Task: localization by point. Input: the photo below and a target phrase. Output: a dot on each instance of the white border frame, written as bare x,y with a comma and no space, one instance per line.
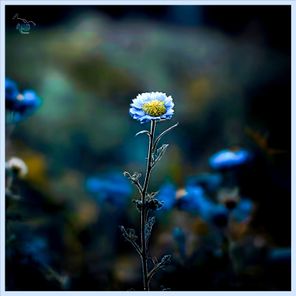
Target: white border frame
3,3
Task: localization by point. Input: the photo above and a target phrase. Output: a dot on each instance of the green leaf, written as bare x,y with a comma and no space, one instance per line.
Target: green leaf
142,132
162,134
159,153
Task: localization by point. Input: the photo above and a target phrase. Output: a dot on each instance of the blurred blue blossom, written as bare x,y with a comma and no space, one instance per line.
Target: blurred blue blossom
113,188
19,105
229,158
196,202
152,106
167,195
37,250
207,181
11,92
243,210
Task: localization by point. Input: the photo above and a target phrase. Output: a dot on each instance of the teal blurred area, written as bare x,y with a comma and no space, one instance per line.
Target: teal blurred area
231,88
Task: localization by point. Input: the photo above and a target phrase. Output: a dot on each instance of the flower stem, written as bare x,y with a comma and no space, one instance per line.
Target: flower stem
144,209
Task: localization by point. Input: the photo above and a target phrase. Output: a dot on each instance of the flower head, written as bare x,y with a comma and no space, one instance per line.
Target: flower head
152,106
229,158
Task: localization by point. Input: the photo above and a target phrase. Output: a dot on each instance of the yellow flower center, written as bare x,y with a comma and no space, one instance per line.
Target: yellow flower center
154,108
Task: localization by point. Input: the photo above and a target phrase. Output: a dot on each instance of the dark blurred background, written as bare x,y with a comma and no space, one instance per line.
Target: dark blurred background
228,69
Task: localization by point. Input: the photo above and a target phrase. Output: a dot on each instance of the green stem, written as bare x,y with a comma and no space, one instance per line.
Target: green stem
144,209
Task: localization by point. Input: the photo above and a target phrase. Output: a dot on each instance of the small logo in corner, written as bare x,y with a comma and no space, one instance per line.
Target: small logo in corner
23,26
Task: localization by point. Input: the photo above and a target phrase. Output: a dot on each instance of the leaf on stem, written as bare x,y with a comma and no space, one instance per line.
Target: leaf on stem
142,132
162,134
134,178
159,153
165,260
130,235
148,229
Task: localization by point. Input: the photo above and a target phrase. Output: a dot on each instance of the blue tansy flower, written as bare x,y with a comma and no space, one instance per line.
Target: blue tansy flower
152,106
112,188
229,158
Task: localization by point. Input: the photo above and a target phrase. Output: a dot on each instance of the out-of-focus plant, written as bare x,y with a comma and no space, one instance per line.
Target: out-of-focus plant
32,249
103,189
19,105
228,158
151,107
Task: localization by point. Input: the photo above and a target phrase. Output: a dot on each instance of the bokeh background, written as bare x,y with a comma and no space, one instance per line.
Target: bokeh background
228,70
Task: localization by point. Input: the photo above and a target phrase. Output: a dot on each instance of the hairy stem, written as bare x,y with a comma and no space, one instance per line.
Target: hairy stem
144,210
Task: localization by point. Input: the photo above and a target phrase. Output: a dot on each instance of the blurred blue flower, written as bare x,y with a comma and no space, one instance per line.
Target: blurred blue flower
152,106
11,92
19,105
196,202
112,188
167,195
207,181
243,210
37,250
229,158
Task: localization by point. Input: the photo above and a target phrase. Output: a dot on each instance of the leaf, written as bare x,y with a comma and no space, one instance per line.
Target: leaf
148,228
142,132
134,178
151,195
166,259
162,134
130,235
159,153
